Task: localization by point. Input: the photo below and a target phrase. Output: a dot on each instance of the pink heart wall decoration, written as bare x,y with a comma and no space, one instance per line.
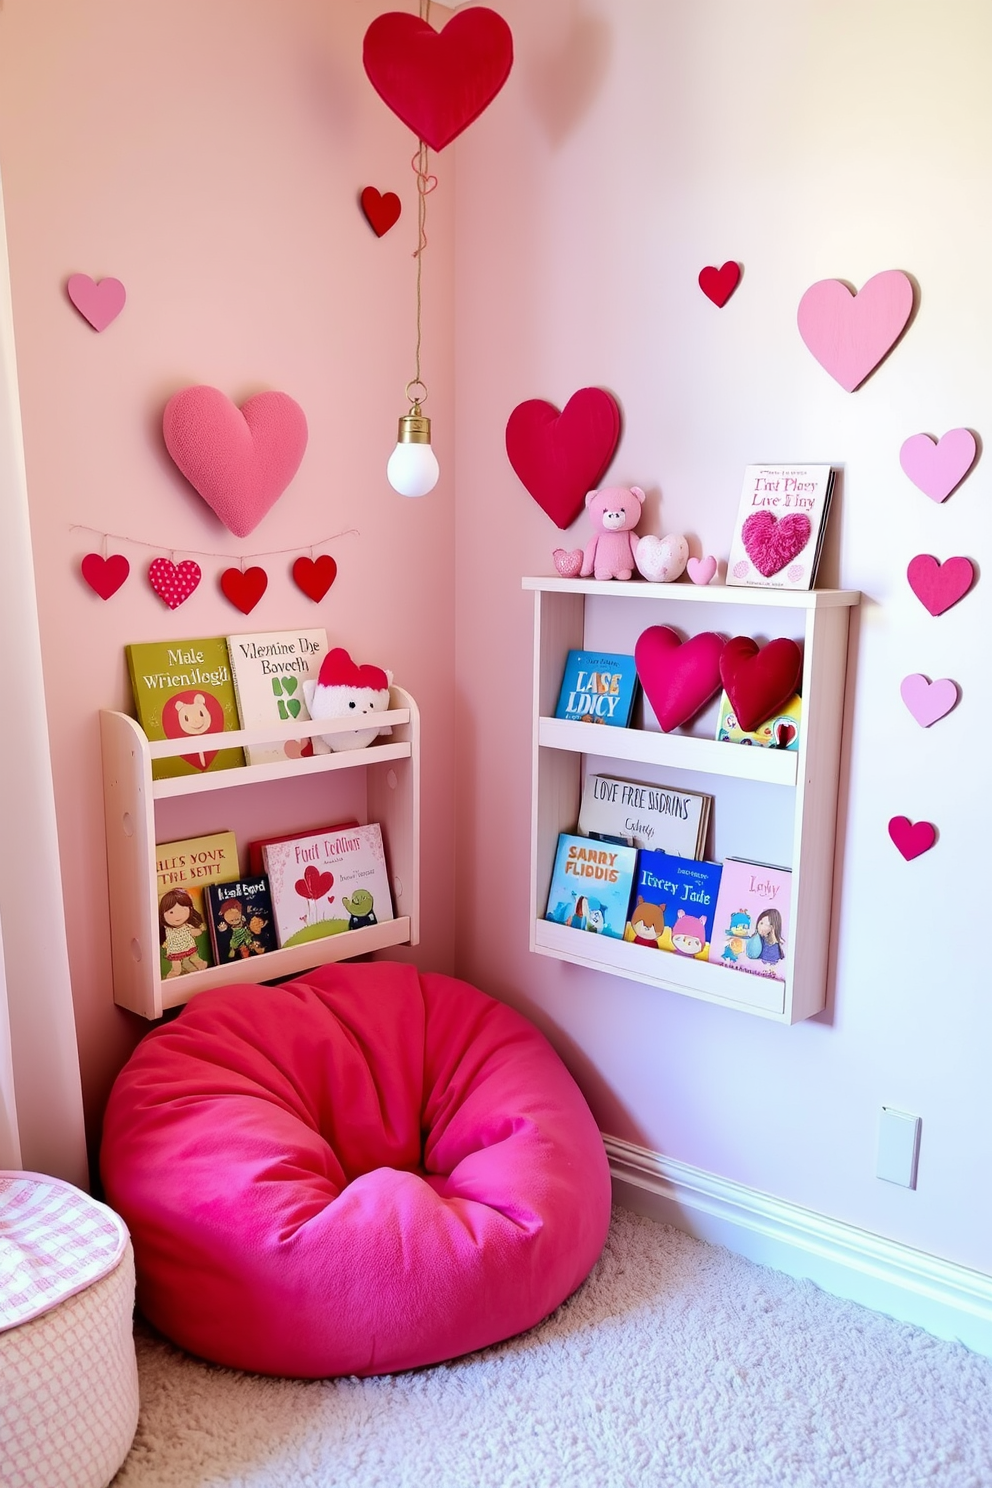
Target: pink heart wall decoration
438,82
849,333
912,838
928,701
759,681
98,303
105,575
678,677
561,457
772,542
937,466
240,460
939,585
719,284
173,582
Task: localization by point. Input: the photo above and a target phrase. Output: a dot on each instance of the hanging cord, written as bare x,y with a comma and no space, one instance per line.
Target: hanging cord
425,185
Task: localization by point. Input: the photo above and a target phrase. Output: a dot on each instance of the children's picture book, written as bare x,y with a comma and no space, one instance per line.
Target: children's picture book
253,852
183,870
269,669
655,816
183,689
591,885
780,525
598,687
239,918
752,918
327,882
778,732
673,906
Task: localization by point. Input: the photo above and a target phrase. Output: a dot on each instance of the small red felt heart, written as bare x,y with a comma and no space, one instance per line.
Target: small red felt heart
772,542
244,590
912,838
678,677
561,457
315,575
719,284
105,575
438,82
381,210
939,585
173,582
759,682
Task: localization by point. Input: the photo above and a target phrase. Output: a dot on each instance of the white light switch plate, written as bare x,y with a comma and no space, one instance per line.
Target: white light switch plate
898,1147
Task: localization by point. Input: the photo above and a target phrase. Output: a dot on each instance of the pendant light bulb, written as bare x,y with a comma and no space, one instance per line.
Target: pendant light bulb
413,469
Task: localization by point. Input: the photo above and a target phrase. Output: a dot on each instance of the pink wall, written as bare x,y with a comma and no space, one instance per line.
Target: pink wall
210,156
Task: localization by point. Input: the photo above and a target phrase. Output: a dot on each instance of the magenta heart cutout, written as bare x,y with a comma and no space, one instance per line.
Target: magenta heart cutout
561,457
98,303
678,677
912,838
849,333
105,575
240,460
772,542
928,701
939,585
937,466
173,582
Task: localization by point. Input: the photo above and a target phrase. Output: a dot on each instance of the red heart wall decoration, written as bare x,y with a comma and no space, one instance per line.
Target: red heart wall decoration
561,457
759,681
315,575
105,575
912,838
173,582
678,677
939,585
244,590
719,284
438,82
380,210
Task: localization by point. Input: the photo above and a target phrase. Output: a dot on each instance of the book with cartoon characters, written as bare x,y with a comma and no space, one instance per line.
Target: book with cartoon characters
673,906
269,670
183,870
598,687
780,524
781,731
184,689
591,885
751,933
239,918
327,882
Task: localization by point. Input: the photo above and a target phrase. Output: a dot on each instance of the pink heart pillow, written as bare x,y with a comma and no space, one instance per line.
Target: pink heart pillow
759,681
240,460
678,678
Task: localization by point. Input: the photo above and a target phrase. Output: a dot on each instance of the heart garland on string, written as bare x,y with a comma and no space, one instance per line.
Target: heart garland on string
315,575
381,211
759,681
679,677
105,575
173,582
244,590
561,457
98,303
437,83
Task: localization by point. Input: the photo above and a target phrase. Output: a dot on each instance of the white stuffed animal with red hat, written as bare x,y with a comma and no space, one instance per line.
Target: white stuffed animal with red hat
345,690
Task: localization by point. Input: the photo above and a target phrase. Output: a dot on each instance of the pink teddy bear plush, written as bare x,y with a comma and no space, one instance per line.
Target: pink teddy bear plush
615,512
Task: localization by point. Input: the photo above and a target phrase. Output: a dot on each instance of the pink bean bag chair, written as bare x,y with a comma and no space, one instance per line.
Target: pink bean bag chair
360,1171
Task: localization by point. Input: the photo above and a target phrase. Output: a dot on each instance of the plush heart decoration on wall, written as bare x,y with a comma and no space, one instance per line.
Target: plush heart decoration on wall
240,460
244,590
438,82
850,332
381,211
939,585
561,457
937,466
105,575
759,681
912,838
719,284
173,582
98,303
315,575
772,542
678,677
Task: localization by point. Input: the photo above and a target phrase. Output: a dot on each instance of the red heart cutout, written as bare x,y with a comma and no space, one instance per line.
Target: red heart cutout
561,457
314,884
173,582
438,82
315,575
759,682
912,838
244,590
784,735
105,575
381,211
678,677
772,542
719,284
939,585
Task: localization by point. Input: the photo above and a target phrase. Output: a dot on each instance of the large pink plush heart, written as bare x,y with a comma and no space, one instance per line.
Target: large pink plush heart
678,677
759,681
912,838
438,82
240,460
937,466
849,333
939,585
98,303
561,457
772,542
928,701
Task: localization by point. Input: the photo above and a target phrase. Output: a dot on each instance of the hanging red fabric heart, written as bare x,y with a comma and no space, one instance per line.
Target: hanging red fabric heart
244,590
438,82
173,582
105,575
315,575
560,457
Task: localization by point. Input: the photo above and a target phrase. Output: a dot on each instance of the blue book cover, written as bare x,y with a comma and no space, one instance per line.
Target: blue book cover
673,905
591,884
598,687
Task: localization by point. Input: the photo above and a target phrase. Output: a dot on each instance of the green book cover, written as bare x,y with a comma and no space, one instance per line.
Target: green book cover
183,689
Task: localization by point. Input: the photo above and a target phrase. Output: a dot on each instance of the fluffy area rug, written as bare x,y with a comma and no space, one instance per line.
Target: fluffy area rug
676,1365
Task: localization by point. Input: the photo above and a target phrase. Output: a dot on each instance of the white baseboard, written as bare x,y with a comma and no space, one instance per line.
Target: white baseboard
947,1300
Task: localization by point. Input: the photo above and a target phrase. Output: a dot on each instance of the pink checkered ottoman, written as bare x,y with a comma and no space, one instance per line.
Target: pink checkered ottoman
68,1376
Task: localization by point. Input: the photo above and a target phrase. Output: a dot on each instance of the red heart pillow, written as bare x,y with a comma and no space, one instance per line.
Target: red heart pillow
561,457
759,681
678,677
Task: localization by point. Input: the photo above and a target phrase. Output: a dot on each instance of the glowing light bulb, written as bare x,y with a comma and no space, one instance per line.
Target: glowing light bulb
413,469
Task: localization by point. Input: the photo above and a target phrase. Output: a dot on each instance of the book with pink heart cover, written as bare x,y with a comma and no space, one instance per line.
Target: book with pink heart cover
780,524
327,883
269,669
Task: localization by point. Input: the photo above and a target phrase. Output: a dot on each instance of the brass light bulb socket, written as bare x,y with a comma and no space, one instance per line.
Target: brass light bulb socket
414,428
